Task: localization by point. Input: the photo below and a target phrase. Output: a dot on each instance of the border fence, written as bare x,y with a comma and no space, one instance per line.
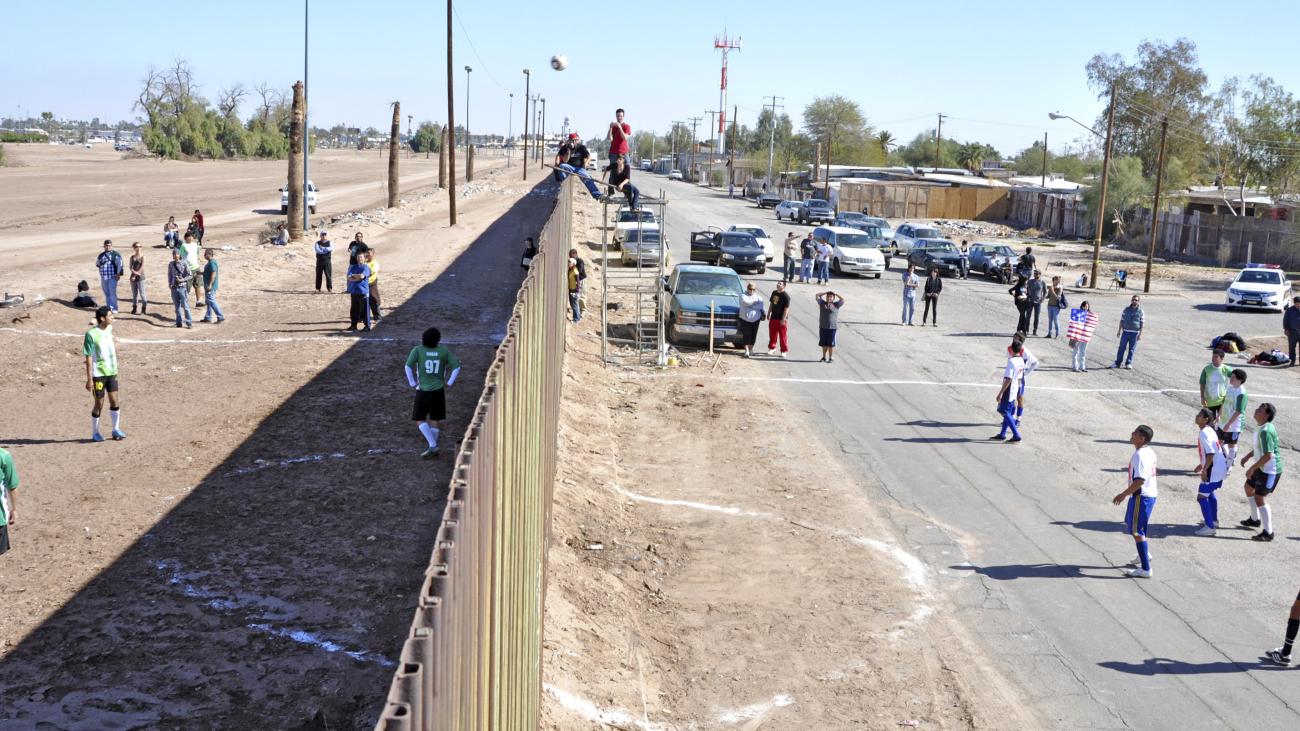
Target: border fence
473,657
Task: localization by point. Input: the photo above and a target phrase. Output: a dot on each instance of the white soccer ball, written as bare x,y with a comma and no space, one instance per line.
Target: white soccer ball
559,62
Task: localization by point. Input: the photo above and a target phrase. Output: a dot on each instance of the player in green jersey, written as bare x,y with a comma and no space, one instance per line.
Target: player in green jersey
430,368
101,372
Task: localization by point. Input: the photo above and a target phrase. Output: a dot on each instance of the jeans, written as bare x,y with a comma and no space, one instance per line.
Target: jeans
965,266
791,267
324,270
1080,358
181,301
930,303
1127,339
909,305
777,332
575,305
171,238
805,269
563,170
1025,309
1035,309
1292,344
109,285
137,294
374,300
1053,324
360,312
214,310
633,195
823,270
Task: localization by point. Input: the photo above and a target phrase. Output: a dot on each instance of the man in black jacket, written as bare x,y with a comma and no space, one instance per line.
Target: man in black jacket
1291,325
572,158
933,286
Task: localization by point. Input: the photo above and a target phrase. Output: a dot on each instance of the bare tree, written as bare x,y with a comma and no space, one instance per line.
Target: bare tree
271,98
296,202
228,100
394,142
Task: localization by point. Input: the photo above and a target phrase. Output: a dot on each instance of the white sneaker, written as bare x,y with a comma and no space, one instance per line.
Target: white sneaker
1128,367
1138,574
771,351
783,356
1136,562
1206,530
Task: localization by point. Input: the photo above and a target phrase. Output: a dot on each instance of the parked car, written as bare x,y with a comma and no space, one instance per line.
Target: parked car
991,259
886,228
905,235
940,253
728,249
628,220
816,210
645,247
1259,287
646,165
311,198
852,251
852,220
675,175
122,147
788,209
757,232
696,294
768,200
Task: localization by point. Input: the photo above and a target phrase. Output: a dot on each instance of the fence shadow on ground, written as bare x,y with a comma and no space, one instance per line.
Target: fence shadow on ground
278,592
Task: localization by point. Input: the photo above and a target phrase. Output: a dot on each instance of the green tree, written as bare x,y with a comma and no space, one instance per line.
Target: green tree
1030,160
972,155
427,138
1124,189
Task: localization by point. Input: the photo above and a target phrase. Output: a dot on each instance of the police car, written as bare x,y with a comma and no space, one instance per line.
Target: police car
1259,286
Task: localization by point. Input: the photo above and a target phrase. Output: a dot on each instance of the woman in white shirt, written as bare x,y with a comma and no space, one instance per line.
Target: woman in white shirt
751,312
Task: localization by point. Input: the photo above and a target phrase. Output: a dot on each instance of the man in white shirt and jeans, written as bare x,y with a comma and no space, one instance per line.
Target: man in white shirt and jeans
1141,494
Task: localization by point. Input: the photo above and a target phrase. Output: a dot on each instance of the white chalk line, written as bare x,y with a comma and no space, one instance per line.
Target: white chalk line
969,384
725,510
591,712
264,464
757,710
260,607
271,340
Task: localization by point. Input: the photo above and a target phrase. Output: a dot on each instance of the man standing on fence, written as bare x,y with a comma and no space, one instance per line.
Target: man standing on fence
430,369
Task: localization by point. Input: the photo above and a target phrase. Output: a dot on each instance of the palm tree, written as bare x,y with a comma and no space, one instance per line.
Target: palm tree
971,156
885,139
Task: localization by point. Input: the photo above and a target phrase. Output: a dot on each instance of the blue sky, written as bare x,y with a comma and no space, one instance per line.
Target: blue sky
995,68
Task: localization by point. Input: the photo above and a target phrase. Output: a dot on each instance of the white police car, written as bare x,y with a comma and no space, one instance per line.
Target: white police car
1259,287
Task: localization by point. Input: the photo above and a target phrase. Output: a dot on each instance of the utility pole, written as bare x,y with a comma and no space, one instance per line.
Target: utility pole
394,145
731,164
1044,184
713,146
541,158
690,168
306,124
528,80
469,144
1105,178
1155,209
451,122
510,127
771,142
938,144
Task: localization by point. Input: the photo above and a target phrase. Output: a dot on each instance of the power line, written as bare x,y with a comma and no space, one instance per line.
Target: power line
482,64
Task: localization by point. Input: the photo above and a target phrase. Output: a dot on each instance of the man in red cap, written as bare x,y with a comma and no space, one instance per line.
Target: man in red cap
572,158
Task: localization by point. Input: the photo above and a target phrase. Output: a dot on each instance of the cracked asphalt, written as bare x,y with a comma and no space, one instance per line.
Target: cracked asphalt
1025,545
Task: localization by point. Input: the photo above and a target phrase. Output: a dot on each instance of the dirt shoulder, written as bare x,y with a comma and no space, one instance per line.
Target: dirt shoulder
714,567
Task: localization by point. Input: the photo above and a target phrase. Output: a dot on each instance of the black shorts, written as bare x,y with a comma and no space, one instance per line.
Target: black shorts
430,405
105,384
1228,437
1262,482
4,538
826,337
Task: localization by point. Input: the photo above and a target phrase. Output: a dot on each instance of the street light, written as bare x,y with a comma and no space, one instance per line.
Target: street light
467,73
510,127
1105,179
528,78
1055,116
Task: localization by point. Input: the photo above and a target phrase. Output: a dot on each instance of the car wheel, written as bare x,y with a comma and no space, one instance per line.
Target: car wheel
835,266
311,208
284,209
762,270
877,276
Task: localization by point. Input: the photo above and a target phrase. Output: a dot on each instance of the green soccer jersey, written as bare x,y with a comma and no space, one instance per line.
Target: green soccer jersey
1215,382
1266,443
432,365
98,345
8,483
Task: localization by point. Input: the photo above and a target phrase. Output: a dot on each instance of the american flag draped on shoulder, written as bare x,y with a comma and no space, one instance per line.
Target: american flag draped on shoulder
1082,323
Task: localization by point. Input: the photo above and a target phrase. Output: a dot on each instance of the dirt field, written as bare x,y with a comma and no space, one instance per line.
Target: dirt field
757,590
248,556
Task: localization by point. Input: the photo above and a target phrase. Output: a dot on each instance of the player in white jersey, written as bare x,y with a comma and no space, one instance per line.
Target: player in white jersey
1232,412
1212,468
1141,494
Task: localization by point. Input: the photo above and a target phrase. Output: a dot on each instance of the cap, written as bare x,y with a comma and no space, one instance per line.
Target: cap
573,135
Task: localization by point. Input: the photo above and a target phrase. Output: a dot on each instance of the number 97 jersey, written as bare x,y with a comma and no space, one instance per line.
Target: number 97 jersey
431,366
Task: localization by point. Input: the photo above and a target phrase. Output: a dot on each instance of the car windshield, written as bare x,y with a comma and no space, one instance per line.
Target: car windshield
940,246
737,240
646,237
817,203
631,216
1257,277
853,241
701,283
877,222
926,233
752,231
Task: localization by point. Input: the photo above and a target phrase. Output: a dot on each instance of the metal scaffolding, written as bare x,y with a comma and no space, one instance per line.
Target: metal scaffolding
632,294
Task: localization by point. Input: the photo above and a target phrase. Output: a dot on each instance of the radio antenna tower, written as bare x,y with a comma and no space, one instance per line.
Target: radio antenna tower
726,45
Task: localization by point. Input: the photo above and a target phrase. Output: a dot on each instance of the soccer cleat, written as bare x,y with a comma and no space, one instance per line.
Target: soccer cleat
1250,523
1206,530
1277,658
118,435
1138,573
1128,366
1013,440
429,453
1262,537
1137,562
96,437
998,437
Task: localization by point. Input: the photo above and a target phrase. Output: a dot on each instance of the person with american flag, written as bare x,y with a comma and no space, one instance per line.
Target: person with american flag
1083,321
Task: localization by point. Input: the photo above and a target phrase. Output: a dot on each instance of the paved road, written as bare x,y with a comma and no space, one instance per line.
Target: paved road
1022,539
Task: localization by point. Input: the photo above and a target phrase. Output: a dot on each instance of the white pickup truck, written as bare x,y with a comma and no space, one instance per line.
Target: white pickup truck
311,198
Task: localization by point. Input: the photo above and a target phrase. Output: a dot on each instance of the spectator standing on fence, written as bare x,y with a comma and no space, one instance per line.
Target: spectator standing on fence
751,313
324,268
933,288
1291,327
373,263
359,292
778,319
1055,301
136,263
910,283
1035,292
791,256
178,283
1131,322
618,135
211,281
109,264
828,321
8,497
430,369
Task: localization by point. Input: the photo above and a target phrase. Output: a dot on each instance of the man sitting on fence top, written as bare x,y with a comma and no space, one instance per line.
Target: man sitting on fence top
572,158
620,177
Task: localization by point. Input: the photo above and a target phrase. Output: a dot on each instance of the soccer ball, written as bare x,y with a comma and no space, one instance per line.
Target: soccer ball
559,62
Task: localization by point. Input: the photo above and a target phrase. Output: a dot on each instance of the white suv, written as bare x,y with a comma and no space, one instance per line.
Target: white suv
910,233
852,251
311,198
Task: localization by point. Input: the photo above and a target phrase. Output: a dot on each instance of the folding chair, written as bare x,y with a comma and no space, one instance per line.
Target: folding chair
1120,280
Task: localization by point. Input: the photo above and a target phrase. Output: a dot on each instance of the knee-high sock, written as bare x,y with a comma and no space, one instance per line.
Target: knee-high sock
1266,518
427,430
1144,553
1254,509
1292,625
1213,500
94,425
116,415
1203,500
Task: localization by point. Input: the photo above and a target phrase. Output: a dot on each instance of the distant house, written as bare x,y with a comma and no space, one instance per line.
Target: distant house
1227,201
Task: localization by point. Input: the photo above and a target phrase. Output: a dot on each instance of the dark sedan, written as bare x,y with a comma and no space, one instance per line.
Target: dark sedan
728,249
768,200
940,253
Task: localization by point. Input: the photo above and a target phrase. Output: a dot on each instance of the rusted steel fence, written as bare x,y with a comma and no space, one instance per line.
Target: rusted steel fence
473,658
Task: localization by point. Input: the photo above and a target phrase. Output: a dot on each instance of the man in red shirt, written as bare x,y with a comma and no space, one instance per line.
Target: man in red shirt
618,136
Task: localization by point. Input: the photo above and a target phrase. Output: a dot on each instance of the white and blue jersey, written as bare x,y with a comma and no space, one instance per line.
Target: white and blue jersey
1214,463
1142,465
